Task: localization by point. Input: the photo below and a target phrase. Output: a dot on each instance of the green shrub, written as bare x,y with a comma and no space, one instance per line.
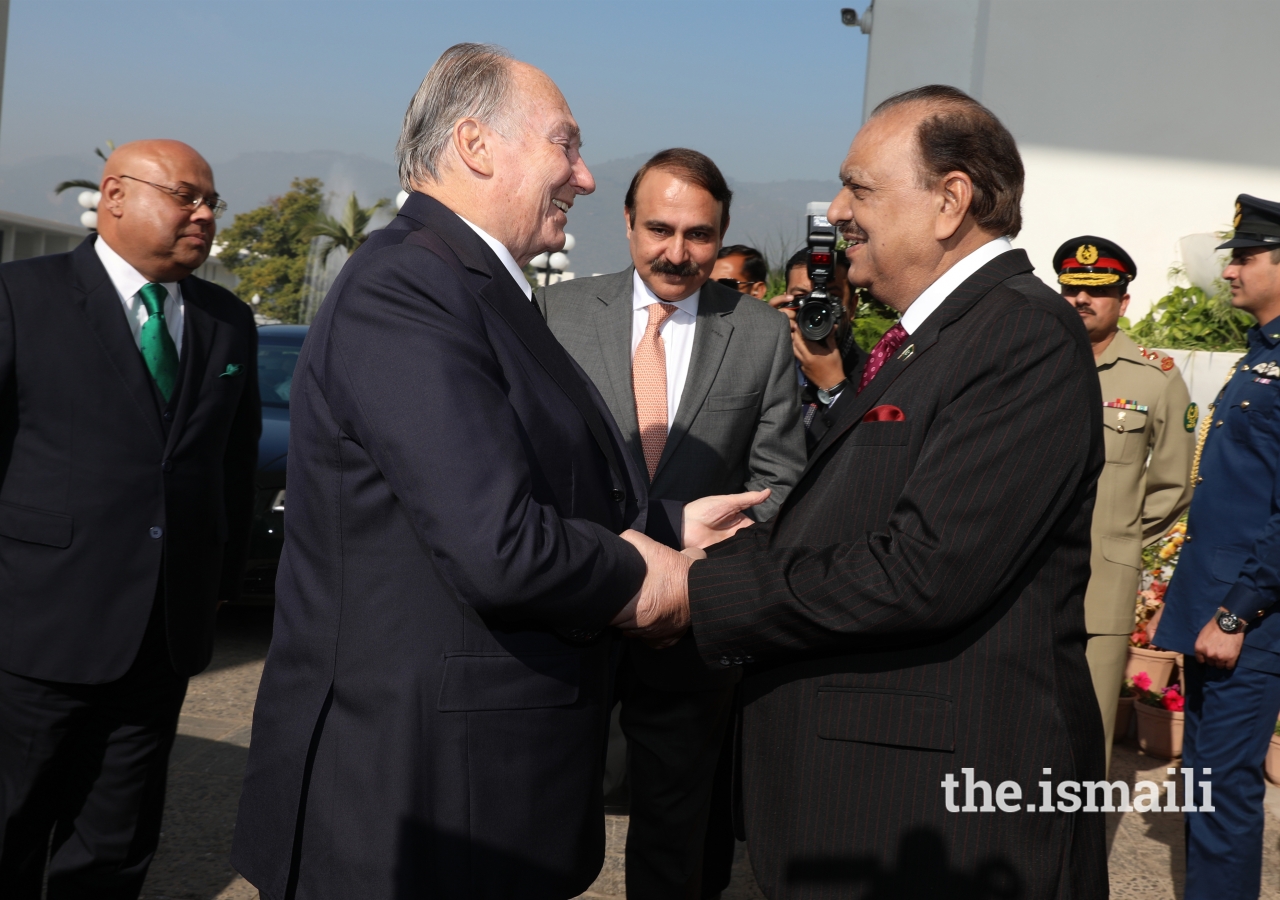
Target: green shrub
1188,319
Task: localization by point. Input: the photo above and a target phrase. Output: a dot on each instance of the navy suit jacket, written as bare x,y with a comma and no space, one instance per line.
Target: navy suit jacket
432,712
108,496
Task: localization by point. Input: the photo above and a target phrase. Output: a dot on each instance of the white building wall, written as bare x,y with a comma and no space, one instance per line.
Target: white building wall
1139,120
1145,203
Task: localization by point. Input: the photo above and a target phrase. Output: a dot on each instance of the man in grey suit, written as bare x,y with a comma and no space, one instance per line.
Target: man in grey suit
701,382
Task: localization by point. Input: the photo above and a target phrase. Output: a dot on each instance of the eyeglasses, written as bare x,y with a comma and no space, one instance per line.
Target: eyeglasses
186,199
735,284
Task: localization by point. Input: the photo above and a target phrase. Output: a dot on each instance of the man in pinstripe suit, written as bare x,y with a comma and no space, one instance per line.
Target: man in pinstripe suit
912,617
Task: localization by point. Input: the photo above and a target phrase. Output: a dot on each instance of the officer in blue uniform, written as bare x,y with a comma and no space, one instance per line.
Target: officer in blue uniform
1221,608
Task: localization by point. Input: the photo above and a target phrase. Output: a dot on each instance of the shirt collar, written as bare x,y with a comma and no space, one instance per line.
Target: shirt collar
504,256
949,280
127,280
1266,333
641,296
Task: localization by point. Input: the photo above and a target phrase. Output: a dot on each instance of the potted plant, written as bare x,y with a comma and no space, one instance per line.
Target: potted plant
1272,766
1158,563
1160,721
1129,692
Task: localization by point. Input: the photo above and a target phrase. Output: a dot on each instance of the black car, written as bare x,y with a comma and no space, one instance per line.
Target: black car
278,348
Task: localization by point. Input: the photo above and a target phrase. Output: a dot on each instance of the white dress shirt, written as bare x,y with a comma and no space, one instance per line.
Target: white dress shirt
676,333
505,256
128,281
949,280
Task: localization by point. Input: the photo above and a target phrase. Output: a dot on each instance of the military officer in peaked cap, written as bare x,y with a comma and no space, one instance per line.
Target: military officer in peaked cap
1220,609
1149,421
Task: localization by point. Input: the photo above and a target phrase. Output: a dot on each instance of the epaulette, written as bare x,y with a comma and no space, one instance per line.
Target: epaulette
1157,359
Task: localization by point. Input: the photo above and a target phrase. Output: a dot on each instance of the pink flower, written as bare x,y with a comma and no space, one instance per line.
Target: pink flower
1142,681
1172,699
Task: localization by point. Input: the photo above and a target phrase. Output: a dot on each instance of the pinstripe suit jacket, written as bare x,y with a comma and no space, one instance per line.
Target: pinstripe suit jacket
916,608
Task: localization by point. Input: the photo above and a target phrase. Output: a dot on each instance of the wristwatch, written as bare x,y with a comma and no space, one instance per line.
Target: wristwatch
1229,622
826,397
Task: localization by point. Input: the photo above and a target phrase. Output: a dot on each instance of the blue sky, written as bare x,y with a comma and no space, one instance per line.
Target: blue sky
771,90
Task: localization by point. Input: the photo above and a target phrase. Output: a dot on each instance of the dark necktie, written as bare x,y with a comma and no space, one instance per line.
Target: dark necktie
158,350
888,345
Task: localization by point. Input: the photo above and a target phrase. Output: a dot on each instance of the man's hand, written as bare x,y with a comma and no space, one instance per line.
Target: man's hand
1217,648
819,360
709,520
659,614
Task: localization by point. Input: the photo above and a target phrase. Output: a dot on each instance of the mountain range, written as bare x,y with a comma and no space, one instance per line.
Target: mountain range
766,215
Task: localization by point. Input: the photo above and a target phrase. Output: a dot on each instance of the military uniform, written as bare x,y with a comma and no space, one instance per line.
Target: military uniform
1232,560
1149,424
1144,487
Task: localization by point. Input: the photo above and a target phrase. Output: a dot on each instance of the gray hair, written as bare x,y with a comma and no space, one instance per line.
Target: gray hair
467,81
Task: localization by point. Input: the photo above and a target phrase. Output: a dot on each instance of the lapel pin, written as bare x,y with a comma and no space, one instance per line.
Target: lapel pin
906,354
232,370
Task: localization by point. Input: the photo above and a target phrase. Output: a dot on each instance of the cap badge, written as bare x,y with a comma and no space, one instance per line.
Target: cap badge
1235,223
1086,254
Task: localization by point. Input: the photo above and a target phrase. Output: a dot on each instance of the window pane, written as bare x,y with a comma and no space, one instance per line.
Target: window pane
275,372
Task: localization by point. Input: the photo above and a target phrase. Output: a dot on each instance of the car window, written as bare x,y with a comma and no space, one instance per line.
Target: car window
275,371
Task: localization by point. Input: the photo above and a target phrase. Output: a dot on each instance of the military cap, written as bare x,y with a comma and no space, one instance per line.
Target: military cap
1257,224
1088,260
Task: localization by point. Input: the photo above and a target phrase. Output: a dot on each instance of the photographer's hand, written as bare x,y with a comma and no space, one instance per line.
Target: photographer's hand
819,361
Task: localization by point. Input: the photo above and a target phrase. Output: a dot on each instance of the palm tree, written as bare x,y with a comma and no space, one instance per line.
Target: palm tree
83,182
347,232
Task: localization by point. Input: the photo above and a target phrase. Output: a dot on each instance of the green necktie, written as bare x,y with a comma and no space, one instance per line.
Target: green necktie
157,346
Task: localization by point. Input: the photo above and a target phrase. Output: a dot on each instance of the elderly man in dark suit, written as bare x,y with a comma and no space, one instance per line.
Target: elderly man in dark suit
431,719
725,417
913,616
129,425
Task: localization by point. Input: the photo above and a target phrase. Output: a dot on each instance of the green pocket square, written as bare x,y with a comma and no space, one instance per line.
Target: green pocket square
232,371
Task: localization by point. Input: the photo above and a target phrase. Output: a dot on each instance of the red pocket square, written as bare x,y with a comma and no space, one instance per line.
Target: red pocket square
884,414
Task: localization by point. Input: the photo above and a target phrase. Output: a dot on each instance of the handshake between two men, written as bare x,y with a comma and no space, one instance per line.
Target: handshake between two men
659,613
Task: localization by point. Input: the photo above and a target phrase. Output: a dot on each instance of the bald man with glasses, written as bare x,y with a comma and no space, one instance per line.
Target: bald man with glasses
129,424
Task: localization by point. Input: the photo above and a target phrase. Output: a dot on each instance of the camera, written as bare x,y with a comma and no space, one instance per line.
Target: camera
818,312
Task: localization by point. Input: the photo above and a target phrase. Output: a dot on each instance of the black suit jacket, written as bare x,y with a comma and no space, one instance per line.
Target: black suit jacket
916,608
101,496
432,713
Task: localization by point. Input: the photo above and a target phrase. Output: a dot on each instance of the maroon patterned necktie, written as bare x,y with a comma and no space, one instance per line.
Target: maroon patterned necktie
888,345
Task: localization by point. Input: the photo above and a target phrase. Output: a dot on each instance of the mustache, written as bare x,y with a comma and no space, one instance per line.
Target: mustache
851,232
663,266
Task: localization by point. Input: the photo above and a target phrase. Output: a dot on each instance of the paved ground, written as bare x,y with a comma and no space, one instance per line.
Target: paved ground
213,736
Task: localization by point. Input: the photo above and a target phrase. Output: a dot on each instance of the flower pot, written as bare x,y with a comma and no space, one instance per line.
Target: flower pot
1124,714
1156,663
1272,766
1159,731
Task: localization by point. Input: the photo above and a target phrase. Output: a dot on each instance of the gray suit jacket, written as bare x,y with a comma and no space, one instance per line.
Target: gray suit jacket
738,423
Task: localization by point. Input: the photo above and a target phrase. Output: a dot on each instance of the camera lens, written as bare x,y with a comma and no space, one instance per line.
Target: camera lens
817,319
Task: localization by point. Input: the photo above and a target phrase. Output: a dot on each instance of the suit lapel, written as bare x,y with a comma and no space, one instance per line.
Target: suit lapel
710,340
853,411
509,302
100,303
960,301
613,329
198,330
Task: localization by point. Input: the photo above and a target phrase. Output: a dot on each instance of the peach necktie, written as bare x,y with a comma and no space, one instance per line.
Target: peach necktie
649,382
